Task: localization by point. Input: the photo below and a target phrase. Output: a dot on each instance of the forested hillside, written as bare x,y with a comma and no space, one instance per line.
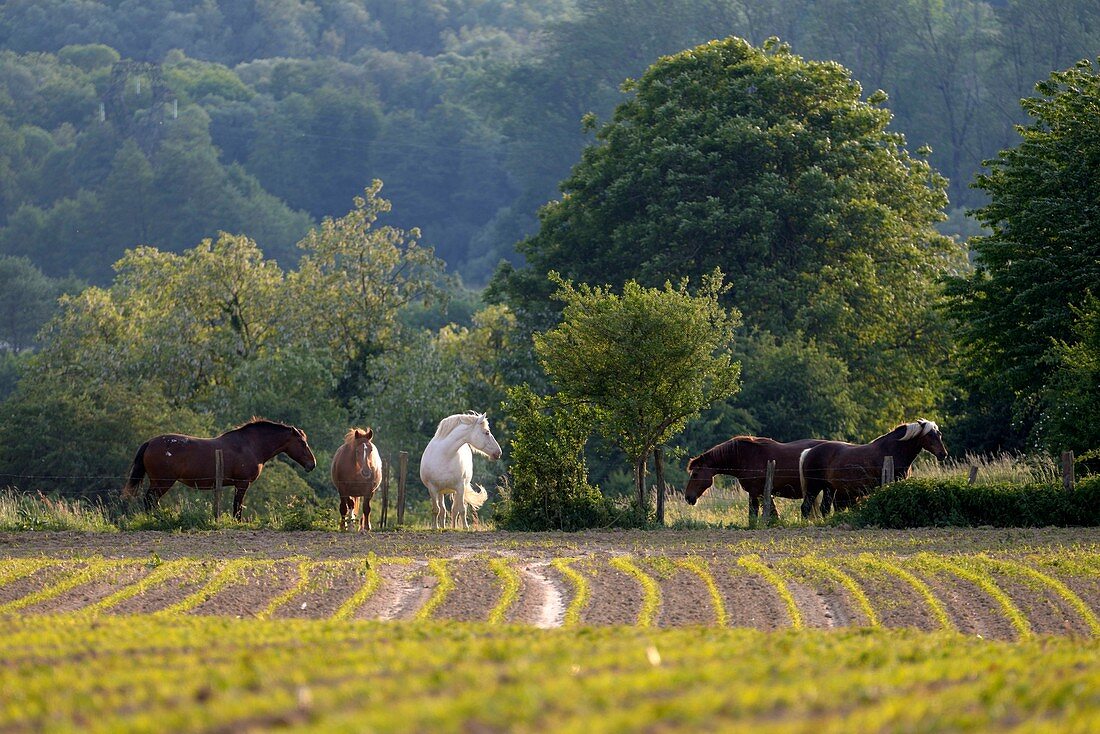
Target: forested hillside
161,123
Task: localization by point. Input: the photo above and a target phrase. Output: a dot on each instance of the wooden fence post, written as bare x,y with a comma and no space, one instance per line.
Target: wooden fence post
973,475
385,492
402,470
1067,471
219,476
887,470
659,470
769,477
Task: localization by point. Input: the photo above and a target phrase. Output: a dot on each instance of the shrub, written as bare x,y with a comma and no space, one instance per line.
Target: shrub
930,502
548,487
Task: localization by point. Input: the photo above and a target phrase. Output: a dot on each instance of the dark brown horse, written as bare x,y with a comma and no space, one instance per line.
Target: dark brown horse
188,460
845,472
746,458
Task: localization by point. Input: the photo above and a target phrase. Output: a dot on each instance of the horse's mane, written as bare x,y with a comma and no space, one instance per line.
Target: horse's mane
721,451
349,437
917,428
451,422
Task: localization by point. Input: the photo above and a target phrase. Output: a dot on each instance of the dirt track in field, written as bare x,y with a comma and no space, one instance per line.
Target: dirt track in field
700,576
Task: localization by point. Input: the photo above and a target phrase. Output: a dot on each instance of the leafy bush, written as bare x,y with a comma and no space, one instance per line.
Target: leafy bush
548,487
928,502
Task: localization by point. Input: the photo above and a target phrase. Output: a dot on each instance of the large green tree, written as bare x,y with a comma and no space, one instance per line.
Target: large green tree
776,170
644,361
1036,268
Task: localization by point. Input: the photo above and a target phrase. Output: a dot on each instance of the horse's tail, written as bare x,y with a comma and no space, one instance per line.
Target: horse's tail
802,482
137,473
476,496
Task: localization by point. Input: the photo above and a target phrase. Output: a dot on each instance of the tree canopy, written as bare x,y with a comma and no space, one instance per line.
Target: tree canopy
774,169
643,362
1037,268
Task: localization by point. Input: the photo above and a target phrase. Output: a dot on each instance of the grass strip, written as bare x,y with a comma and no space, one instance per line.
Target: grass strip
755,564
935,606
818,565
93,568
967,570
160,574
651,591
303,579
439,567
581,593
509,588
227,574
1038,579
701,568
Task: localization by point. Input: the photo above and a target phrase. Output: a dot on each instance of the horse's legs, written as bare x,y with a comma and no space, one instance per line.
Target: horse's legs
808,496
364,516
157,489
458,505
754,507
827,496
238,500
346,506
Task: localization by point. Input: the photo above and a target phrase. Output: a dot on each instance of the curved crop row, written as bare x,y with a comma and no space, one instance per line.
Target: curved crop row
370,585
651,592
439,567
701,568
756,565
93,568
303,579
1037,579
227,574
935,606
980,578
580,590
14,569
830,570
509,588
160,574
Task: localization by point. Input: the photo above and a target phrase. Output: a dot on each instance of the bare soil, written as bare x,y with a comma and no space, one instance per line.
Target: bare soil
338,562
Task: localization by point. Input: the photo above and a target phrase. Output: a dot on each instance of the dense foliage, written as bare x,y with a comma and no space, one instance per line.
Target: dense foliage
548,487
917,503
643,362
1038,271
126,123
774,169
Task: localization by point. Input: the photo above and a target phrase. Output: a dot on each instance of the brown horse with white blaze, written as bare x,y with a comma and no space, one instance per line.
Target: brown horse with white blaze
844,471
191,461
357,473
746,458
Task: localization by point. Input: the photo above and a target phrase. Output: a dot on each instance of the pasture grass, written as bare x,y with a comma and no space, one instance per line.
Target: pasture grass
21,511
221,674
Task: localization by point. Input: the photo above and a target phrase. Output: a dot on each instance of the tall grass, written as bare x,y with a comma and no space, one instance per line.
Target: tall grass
992,469
20,511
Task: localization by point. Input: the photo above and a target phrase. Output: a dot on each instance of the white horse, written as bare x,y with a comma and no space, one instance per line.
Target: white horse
448,465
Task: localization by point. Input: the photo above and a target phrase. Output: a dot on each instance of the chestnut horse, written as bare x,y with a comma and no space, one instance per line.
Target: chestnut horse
357,473
188,460
845,471
746,458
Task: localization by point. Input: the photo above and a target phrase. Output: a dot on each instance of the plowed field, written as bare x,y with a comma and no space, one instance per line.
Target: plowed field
784,630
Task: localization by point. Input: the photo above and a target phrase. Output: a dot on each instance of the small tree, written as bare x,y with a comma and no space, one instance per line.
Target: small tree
645,361
549,489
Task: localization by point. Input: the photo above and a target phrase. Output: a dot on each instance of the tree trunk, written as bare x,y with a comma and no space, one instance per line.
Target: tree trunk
639,480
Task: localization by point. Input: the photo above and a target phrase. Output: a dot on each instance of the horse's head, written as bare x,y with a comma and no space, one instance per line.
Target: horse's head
932,441
297,448
366,455
700,480
481,438
928,437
